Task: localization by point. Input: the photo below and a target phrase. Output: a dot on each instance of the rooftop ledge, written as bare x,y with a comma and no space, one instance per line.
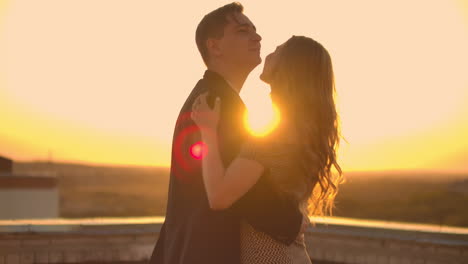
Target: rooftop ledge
447,235
131,240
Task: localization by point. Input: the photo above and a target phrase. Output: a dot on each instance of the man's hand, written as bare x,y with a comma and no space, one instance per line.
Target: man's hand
205,117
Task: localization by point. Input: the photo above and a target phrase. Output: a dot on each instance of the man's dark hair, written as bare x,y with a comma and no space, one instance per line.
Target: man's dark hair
212,26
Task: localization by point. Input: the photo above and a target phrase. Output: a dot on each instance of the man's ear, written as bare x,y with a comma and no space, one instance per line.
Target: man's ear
213,46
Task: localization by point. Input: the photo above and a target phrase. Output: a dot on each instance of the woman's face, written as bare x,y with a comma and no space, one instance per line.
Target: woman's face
271,61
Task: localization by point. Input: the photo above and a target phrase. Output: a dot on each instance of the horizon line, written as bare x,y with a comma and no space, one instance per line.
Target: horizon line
129,165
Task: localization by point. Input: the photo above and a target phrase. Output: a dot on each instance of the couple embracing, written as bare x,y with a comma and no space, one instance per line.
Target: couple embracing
235,198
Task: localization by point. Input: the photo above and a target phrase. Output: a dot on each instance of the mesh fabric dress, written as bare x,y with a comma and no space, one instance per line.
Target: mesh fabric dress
280,159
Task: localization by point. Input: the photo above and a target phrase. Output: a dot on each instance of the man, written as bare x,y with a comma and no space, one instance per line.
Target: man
193,232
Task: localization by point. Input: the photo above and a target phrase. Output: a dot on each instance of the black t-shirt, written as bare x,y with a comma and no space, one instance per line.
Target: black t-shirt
192,231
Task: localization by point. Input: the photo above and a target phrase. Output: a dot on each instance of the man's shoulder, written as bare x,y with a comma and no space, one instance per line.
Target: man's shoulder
200,87
184,114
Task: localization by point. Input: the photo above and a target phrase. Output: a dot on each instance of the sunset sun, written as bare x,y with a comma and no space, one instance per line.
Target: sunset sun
262,119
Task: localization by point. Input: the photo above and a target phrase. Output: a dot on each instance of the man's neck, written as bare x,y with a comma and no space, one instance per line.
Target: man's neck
235,79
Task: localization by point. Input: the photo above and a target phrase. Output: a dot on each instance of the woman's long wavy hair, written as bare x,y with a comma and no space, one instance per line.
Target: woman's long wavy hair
303,87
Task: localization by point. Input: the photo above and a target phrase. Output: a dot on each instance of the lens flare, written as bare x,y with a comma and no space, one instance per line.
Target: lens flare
198,150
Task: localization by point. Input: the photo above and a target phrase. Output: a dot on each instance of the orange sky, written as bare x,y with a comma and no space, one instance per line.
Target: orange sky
102,81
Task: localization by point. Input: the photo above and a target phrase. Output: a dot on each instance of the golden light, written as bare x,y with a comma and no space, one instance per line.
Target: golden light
263,119
69,90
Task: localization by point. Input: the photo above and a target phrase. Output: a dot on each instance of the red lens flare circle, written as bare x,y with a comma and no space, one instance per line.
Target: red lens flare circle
198,150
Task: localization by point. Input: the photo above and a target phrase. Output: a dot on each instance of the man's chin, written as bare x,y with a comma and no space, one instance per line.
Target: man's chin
265,78
254,63
258,61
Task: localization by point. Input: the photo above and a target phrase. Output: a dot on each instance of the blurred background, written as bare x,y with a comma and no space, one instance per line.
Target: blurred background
90,91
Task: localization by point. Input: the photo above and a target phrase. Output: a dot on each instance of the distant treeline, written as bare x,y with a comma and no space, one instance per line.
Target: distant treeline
422,197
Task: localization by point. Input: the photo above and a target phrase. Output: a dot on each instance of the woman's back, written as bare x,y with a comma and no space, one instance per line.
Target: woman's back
281,159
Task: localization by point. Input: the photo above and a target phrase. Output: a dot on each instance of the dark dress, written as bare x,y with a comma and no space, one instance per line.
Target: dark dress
281,159
192,231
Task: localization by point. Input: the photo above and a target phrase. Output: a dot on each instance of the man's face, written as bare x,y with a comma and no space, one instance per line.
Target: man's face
240,45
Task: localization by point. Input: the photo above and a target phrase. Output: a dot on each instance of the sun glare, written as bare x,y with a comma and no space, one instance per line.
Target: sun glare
263,119
71,93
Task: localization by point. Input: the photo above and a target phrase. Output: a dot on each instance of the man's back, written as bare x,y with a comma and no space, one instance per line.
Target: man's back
192,231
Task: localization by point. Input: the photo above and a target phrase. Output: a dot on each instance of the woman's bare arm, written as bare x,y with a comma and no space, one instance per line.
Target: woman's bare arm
224,186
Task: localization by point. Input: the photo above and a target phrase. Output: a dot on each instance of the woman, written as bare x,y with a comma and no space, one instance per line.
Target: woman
299,154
